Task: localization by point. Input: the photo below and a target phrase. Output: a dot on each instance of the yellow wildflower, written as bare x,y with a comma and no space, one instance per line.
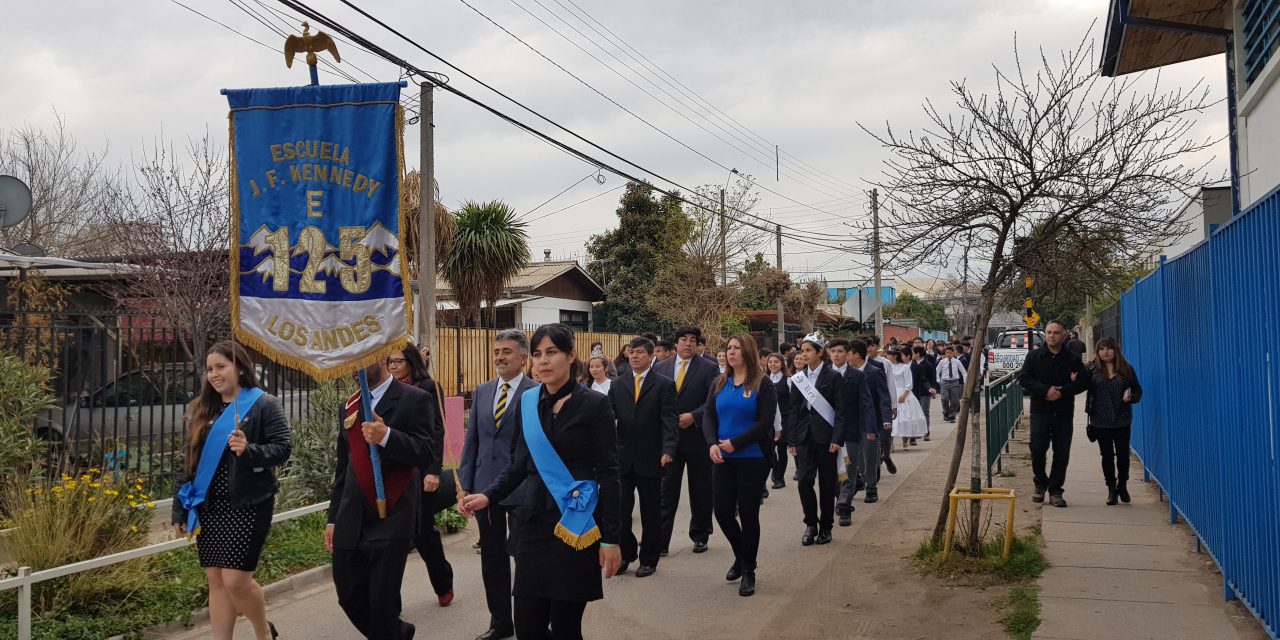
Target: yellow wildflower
133,528
151,505
133,504
91,498
144,496
130,496
86,477
71,485
65,477
95,470
95,485
57,489
111,492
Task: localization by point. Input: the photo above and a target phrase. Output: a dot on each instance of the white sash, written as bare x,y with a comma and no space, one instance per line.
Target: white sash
819,403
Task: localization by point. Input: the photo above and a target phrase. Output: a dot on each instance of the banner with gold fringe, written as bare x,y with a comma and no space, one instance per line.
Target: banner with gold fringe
318,282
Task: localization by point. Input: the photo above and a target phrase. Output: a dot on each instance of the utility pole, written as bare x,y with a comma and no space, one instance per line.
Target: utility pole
875,259
782,317
724,257
427,222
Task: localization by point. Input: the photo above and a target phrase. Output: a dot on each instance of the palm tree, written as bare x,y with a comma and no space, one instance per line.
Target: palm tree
489,248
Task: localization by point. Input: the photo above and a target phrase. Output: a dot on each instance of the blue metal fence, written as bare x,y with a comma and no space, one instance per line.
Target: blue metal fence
1202,331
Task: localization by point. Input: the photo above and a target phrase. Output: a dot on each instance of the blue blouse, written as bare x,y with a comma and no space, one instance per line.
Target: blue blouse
736,415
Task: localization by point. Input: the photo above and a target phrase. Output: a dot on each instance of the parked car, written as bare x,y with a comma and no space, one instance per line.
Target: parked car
1010,351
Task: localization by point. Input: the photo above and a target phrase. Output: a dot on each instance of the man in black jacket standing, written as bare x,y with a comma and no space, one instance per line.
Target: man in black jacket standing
1053,376
644,403
693,377
369,551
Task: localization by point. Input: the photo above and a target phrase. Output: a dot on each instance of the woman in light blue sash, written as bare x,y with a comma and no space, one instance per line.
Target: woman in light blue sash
567,450
227,489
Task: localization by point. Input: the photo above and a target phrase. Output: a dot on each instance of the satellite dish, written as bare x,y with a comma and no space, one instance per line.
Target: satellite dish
29,250
15,201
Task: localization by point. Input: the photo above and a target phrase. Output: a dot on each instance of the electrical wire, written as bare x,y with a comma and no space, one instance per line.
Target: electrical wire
593,174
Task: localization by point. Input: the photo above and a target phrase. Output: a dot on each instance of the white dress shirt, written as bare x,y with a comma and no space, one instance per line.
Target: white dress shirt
840,370
375,396
951,369
639,376
888,374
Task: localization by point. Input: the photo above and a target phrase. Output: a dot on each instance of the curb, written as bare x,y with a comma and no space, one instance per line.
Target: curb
295,582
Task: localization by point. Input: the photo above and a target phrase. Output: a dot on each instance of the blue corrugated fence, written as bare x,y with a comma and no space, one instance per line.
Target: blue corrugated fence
1203,332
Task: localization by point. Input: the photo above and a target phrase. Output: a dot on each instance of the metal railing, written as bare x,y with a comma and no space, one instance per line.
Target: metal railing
1208,429
26,577
1002,402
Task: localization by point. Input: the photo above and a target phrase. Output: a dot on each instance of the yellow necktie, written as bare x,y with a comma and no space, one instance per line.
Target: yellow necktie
680,376
639,379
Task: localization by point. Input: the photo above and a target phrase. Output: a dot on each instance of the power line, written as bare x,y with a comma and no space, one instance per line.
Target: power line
600,180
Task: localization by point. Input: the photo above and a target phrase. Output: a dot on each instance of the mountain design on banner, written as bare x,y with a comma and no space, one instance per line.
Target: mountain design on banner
380,241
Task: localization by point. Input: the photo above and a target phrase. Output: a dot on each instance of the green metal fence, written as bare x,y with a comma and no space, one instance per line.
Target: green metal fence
1002,403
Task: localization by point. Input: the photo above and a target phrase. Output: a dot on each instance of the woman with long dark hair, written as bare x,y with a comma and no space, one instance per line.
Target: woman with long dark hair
439,489
601,373
779,375
1113,390
236,435
567,458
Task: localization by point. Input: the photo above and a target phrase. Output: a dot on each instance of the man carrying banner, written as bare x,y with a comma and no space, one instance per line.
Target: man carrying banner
369,552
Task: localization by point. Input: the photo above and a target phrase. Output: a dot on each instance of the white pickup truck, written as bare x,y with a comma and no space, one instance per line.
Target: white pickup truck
1010,351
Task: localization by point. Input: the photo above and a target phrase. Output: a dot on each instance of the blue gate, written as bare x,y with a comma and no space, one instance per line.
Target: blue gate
1202,331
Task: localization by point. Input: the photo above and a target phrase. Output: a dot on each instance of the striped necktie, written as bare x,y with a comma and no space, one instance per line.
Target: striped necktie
639,379
501,409
680,376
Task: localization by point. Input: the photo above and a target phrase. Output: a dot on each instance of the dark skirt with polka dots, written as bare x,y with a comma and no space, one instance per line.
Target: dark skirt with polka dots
231,537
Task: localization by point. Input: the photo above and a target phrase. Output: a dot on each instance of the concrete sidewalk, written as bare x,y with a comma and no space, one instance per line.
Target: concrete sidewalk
1123,571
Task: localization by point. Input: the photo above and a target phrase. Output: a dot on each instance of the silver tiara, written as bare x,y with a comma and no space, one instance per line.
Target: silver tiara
817,339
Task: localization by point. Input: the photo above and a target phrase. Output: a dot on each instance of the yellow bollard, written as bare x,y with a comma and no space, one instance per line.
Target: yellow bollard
993,493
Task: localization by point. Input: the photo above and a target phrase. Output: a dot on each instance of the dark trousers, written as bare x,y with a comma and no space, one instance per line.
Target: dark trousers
431,549
816,462
495,564
739,483
534,615
1047,431
699,466
1114,445
368,580
780,467
650,490
926,401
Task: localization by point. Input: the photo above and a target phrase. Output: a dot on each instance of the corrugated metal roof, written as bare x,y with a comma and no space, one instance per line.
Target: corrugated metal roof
532,276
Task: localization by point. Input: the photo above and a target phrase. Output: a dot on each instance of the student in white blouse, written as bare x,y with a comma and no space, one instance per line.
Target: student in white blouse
602,372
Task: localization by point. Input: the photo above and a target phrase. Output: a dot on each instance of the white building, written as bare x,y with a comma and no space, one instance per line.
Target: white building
542,293
1209,208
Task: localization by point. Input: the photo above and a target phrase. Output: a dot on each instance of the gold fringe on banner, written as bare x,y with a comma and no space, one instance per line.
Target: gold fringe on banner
578,542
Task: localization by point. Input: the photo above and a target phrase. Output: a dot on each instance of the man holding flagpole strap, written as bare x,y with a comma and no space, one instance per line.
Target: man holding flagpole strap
369,551
817,411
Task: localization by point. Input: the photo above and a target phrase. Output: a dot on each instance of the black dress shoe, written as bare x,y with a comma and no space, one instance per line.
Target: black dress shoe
846,519
496,634
778,484
664,553
275,634
735,572
872,496
622,568
1123,489
1057,501
700,547
1112,496
407,630
809,534
888,464
645,571
824,536
748,585
765,495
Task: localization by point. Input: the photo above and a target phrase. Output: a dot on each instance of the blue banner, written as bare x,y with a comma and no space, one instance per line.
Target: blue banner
317,278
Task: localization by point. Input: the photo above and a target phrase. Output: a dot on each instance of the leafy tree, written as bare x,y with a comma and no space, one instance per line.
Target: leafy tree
489,248
931,316
761,285
634,260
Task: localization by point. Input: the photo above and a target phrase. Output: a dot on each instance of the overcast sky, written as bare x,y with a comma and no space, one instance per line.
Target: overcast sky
796,74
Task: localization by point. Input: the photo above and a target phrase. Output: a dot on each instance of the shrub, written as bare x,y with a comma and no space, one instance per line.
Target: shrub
24,393
308,478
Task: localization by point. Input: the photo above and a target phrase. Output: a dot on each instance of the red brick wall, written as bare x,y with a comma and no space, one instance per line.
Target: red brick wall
903,334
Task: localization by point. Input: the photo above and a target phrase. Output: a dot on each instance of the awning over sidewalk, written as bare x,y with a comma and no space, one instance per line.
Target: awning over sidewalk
1145,34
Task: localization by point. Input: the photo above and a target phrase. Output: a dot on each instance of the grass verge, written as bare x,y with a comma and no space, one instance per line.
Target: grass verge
1023,606
175,588
1026,562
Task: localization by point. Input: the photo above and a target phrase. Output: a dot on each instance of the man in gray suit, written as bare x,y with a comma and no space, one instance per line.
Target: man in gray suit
490,443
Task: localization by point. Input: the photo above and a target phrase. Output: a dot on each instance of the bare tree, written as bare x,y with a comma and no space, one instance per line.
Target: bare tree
703,244
173,217
67,187
1055,148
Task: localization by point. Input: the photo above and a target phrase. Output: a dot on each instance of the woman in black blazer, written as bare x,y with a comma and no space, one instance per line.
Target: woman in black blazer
235,515
554,581
779,375
411,368
1113,390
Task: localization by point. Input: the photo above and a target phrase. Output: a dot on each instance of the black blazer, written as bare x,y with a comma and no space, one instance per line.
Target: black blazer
878,385
407,411
782,390
253,480
584,436
924,378
761,431
807,426
647,429
437,431
859,411
691,398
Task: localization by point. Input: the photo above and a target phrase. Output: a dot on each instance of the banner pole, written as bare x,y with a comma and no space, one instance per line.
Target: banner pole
366,407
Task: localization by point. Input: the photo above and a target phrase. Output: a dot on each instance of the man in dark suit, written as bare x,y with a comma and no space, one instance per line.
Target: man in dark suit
869,451
369,551
488,449
811,442
924,384
644,404
859,421
880,362
693,377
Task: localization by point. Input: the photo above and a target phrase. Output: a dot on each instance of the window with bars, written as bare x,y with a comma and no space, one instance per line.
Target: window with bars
1261,35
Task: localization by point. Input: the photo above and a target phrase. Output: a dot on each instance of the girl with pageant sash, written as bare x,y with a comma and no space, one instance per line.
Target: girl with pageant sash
227,489
567,450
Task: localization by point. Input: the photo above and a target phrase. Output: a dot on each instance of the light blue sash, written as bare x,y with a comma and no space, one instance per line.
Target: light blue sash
192,494
576,498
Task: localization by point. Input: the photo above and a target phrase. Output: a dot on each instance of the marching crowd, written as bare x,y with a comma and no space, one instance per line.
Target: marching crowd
561,450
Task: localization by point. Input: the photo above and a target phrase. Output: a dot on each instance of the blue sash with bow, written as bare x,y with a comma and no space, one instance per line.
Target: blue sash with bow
576,498
192,494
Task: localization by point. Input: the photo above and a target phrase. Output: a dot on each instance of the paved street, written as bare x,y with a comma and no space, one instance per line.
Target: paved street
687,598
